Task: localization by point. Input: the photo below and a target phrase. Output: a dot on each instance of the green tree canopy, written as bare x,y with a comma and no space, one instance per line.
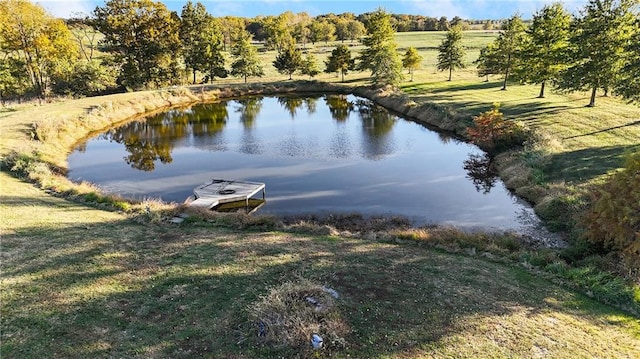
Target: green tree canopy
509,45
544,53
411,60
278,31
288,61
380,55
322,30
193,24
598,43
491,61
310,66
246,62
629,83
143,37
451,52
340,61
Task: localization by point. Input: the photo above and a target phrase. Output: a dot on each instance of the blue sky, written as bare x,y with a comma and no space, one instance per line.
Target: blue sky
467,9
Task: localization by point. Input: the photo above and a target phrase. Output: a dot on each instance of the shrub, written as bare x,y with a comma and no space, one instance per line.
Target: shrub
493,133
613,220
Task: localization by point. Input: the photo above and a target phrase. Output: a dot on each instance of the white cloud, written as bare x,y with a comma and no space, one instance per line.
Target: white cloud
68,8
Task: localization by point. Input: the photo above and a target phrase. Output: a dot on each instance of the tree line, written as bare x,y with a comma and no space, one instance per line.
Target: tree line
597,50
149,46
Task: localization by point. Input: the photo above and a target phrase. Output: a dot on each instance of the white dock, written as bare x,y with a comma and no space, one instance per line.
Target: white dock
220,191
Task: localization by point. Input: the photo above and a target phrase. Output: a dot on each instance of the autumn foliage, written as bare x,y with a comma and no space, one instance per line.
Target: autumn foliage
493,133
613,221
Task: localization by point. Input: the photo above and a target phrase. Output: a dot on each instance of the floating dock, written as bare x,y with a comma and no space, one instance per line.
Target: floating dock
223,193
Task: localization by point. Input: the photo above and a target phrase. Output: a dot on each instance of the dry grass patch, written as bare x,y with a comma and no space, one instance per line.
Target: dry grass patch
290,314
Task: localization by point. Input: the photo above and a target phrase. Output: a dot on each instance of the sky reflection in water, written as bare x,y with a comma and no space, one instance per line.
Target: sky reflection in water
316,154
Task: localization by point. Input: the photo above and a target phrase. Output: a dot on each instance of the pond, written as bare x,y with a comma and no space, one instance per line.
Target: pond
316,154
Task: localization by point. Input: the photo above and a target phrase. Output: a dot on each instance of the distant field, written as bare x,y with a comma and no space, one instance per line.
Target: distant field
426,42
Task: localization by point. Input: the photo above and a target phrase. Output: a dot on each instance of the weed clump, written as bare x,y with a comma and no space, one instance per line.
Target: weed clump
290,314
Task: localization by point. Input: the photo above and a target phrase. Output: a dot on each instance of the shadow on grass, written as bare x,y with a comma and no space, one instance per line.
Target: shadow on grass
586,164
634,123
122,289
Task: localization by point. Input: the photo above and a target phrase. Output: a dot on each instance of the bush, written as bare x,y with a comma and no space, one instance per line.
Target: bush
493,133
85,79
613,220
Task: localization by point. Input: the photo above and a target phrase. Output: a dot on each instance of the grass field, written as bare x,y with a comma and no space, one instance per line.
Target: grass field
78,281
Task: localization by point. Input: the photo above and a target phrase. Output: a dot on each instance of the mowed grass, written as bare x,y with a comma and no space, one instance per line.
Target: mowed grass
78,282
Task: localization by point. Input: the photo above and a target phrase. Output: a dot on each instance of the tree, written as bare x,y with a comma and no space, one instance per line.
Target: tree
288,61
380,55
443,24
310,66
340,61
278,33
629,83
411,60
509,44
230,26
44,44
86,37
355,30
13,79
342,29
451,52
598,44
213,45
194,22
490,61
322,30
85,78
143,37
246,62
543,56
301,31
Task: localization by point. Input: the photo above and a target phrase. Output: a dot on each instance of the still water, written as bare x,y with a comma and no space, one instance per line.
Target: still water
316,154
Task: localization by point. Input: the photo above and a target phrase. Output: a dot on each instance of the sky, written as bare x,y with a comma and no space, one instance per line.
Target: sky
466,9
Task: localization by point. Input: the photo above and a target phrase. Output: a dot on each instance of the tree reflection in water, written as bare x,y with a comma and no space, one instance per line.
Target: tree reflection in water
249,109
377,123
481,171
153,138
339,107
291,104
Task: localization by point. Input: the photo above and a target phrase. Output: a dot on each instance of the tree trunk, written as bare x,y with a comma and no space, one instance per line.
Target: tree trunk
412,76
541,95
506,73
245,79
450,71
290,75
342,72
194,76
592,103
